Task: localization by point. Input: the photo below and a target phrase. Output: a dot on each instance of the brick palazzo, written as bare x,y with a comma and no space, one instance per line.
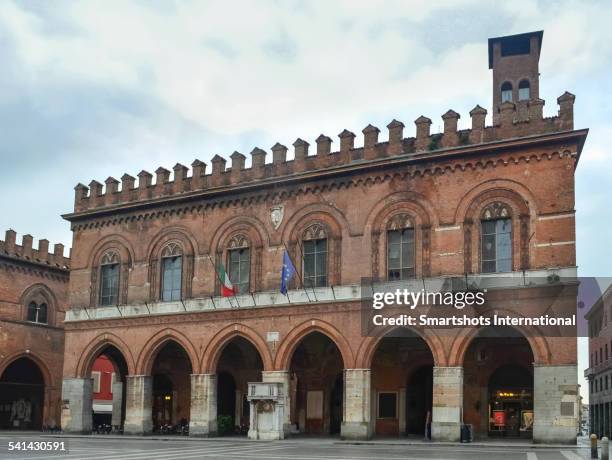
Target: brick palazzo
495,199
33,297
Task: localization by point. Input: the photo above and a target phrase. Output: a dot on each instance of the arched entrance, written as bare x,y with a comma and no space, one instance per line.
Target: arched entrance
108,370
316,385
22,396
171,372
419,399
498,384
239,364
402,384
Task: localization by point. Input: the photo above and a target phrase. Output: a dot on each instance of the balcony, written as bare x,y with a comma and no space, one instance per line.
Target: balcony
325,295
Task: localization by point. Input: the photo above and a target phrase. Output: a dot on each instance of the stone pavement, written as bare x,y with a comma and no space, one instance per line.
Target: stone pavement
101,447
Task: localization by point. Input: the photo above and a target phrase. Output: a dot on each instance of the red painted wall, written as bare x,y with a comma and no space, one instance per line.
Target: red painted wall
105,366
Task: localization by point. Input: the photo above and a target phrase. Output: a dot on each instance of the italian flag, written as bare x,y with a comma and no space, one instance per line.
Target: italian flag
227,289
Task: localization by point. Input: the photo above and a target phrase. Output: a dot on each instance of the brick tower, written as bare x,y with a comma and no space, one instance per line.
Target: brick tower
514,60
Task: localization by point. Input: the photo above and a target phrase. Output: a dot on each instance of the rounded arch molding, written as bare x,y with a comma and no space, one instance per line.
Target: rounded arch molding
257,237
115,241
369,345
288,345
333,217
523,208
149,351
188,246
96,346
217,344
250,225
420,213
521,197
333,223
122,247
44,370
538,343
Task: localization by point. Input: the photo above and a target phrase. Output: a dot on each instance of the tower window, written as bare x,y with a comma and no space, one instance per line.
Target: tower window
506,92
523,93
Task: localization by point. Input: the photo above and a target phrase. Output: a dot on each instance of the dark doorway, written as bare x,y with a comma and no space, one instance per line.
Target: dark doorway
315,366
418,400
239,364
171,389
226,395
335,411
162,400
22,396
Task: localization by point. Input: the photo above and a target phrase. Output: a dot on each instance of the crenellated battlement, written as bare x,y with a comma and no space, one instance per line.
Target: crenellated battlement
26,252
520,119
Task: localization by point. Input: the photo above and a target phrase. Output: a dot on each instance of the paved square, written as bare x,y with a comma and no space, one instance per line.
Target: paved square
301,449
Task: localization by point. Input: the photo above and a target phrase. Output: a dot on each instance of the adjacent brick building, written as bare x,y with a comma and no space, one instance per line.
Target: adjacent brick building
33,296
498,200
599,372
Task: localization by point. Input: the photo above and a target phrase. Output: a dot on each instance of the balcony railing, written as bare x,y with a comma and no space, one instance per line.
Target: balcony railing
324,295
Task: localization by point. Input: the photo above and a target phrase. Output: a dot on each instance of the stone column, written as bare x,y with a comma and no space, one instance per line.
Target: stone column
598,426
281,377
606,420
203,416
356,411
609,412
402,412
447,403
117,403
555,404
139,404
77,405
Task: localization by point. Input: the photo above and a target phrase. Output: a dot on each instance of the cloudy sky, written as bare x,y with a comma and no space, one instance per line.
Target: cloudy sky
90,90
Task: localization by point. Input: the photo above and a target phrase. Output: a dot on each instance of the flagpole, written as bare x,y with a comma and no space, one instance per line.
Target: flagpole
301,281
302,252
221,281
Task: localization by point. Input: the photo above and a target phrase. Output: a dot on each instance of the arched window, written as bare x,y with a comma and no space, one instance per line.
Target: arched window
400,248
315,256
523,92
239,263
109,279
506,92
496,238
37,313
172,270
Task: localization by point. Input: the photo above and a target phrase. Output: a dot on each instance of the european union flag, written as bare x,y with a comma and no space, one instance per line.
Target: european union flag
287,272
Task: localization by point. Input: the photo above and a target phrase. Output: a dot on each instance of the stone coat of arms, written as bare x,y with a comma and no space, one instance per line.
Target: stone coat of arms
276,215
